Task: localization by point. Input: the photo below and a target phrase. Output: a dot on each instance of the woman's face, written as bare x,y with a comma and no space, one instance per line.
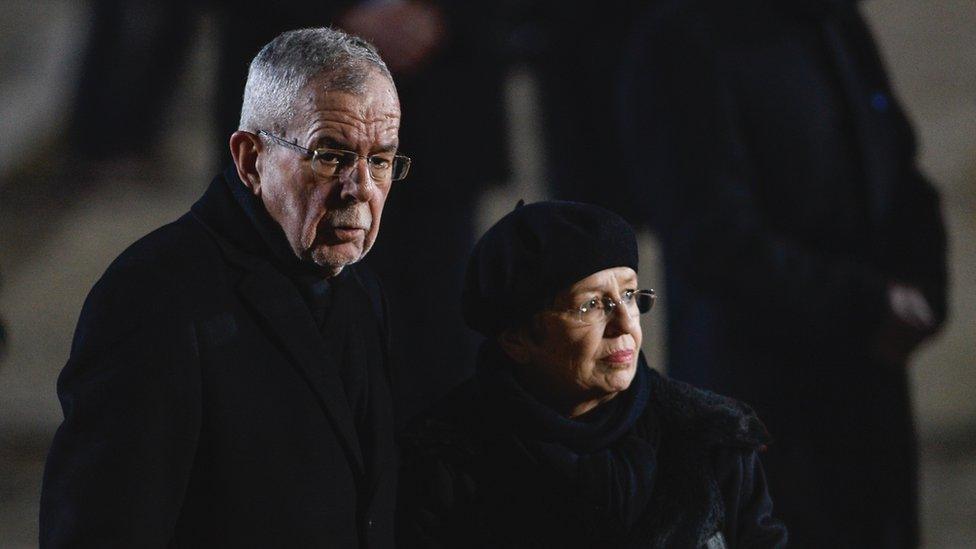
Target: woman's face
578,366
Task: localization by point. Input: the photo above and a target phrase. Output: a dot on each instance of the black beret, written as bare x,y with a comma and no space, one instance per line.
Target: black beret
534,253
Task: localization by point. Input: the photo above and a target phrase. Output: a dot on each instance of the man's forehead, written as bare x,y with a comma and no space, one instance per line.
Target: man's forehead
337,118
366,108
375,89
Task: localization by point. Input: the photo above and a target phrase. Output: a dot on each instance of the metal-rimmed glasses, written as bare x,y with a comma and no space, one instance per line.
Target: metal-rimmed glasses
599,309
328,162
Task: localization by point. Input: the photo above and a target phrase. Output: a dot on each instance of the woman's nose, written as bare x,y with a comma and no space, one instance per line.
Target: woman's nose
619,320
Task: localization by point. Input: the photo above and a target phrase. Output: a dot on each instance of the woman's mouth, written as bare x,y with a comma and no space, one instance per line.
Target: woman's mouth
620,357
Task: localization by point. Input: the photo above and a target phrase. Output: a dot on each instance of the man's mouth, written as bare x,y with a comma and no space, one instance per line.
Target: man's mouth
347,233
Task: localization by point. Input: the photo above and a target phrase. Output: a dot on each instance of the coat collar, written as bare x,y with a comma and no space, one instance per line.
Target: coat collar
267,288
703,418
688,509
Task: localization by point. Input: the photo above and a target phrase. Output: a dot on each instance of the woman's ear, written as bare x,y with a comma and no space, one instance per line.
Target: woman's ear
515,343
244,147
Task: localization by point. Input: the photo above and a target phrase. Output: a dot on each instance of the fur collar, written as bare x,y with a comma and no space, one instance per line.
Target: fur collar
711,419
696,426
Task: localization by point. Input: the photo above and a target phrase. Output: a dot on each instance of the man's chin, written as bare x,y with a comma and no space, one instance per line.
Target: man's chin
335,258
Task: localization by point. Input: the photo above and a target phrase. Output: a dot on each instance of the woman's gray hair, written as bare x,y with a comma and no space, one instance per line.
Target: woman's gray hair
288,63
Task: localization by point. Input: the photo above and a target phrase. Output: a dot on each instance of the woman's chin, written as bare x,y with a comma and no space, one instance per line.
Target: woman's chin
619,377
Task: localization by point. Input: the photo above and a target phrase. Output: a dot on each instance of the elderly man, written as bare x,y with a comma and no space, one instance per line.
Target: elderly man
228,381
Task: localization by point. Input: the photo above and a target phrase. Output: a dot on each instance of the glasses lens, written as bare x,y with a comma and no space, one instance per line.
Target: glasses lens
591,311
326,163
401,165
644,300
629,300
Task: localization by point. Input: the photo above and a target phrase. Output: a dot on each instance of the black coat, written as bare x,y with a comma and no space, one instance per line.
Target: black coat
780,175
203,407
468,481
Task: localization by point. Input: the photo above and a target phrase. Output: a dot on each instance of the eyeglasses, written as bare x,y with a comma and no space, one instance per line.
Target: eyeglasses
328,163
599,309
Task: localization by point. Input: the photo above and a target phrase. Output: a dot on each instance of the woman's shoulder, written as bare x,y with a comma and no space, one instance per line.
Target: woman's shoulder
704,436
706,418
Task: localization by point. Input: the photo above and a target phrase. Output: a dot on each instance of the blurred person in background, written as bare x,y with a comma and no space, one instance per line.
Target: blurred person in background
136,50
228,379
3,339
804,251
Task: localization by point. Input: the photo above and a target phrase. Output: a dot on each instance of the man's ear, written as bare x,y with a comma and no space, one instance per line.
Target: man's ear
245,148
515,343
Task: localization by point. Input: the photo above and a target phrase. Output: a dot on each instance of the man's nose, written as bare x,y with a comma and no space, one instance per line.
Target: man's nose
356,183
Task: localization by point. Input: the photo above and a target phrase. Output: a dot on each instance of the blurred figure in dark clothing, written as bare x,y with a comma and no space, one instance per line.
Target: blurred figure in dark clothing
804,251
3,339
136,51
134,54
578,57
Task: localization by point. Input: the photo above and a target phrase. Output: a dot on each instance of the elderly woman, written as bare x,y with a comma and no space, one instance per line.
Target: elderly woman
564,437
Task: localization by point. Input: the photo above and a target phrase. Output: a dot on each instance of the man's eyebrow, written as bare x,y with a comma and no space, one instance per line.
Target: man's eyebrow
330,142
390,146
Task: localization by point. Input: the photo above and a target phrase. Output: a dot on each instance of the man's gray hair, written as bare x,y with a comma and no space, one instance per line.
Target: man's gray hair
288,63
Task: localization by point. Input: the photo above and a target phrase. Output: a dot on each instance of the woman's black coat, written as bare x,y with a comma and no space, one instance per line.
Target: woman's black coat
468,481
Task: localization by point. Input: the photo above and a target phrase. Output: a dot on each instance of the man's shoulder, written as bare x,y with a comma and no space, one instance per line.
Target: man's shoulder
158,280
177,248
159,270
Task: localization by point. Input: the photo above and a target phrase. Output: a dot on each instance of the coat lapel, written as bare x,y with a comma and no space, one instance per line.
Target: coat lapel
277,301
287,317
371,353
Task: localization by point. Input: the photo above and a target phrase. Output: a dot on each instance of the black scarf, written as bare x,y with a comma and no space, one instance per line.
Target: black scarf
599,455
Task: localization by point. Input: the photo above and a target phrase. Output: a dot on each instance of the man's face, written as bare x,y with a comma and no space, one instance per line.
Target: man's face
332,222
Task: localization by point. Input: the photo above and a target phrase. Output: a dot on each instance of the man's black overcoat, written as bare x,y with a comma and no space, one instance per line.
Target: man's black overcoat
203,407
779,170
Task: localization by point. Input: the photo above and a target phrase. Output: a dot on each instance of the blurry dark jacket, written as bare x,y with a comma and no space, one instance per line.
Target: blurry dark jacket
472,476
779,171
205,408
